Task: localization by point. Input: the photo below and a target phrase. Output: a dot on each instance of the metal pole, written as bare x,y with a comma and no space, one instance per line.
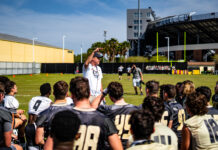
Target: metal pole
168,47
63,46
138,53
35,38
81,53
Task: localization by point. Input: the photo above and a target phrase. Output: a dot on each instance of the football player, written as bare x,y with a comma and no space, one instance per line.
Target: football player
6,125
12,104
64,128
119,112
162,133
95,127
152,88
44,119
207,93
200,131
37,105
142,126
174,115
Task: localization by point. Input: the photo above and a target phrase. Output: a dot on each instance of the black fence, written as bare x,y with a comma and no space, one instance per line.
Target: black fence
155,68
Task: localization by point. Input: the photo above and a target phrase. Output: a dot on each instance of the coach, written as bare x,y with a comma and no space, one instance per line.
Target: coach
93,73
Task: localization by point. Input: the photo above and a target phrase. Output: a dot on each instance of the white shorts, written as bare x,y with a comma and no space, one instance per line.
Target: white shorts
136,82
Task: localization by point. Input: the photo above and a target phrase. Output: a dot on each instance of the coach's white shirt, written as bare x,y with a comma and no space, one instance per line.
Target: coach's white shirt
94,75
38,104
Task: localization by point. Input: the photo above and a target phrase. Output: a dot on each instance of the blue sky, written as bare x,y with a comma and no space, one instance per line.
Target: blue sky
83,21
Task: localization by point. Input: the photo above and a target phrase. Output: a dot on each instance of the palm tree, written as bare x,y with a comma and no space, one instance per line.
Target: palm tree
113,45
123,48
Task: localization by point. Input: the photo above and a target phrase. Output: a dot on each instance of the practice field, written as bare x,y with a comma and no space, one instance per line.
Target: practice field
28,86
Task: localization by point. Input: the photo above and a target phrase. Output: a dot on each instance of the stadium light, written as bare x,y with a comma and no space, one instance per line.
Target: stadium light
63,46
35,38
81,48
168,45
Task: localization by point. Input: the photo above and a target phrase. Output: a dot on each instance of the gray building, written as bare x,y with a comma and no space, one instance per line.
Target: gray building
134,24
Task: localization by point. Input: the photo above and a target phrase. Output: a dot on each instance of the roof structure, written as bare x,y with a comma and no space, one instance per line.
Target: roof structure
12,38
200,29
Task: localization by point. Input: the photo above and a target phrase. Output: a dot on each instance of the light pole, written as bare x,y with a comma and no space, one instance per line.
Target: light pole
81,53
105,35
35,38
63,46
168,45
138,53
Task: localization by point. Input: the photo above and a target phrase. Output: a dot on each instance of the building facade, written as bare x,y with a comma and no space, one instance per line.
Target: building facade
134,25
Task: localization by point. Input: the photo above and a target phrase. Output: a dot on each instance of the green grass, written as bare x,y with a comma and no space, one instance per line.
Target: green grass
28,86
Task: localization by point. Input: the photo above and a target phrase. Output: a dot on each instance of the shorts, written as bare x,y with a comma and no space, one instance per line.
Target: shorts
128,74
136,82
120,73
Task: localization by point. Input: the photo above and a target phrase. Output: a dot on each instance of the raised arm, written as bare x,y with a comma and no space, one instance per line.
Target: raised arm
90,57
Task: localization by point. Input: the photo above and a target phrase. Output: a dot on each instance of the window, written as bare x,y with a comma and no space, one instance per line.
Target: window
69,51
137,21
137,27
136,15
148,14
129,26
135,34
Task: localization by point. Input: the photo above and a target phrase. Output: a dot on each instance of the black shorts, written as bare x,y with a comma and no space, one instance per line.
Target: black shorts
120,73
128,74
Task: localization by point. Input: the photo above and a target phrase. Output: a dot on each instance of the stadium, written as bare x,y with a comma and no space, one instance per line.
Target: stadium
189,37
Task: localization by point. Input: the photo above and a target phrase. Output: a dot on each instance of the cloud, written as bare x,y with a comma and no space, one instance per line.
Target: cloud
49,28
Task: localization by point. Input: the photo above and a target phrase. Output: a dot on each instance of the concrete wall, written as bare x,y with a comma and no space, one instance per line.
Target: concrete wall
9,68
21,52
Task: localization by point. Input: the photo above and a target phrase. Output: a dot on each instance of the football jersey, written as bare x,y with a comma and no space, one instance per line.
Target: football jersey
213,112
11,103
120,115
175,112
164,135
150,146
45,117
120,69
5,118
38,104
94,130
204,132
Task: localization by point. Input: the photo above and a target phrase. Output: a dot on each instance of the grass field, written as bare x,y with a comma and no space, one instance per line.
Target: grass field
28,86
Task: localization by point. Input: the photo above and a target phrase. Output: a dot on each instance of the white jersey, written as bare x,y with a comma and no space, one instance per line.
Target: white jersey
38,104
164,135
204,132
120,69
11,102
69,100
128,69
94,75
152,146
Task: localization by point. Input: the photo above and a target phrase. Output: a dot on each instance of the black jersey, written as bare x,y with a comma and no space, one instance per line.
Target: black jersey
213,112
94,130
44,118
175,112
30,132
5,122
120,115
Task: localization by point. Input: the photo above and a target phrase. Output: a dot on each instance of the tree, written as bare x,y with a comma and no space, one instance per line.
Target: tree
123,48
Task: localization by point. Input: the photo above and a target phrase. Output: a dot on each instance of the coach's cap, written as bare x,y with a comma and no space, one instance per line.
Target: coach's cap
98,55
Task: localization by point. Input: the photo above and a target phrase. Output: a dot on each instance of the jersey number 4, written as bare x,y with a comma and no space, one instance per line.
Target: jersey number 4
88,139
212,128
123,126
